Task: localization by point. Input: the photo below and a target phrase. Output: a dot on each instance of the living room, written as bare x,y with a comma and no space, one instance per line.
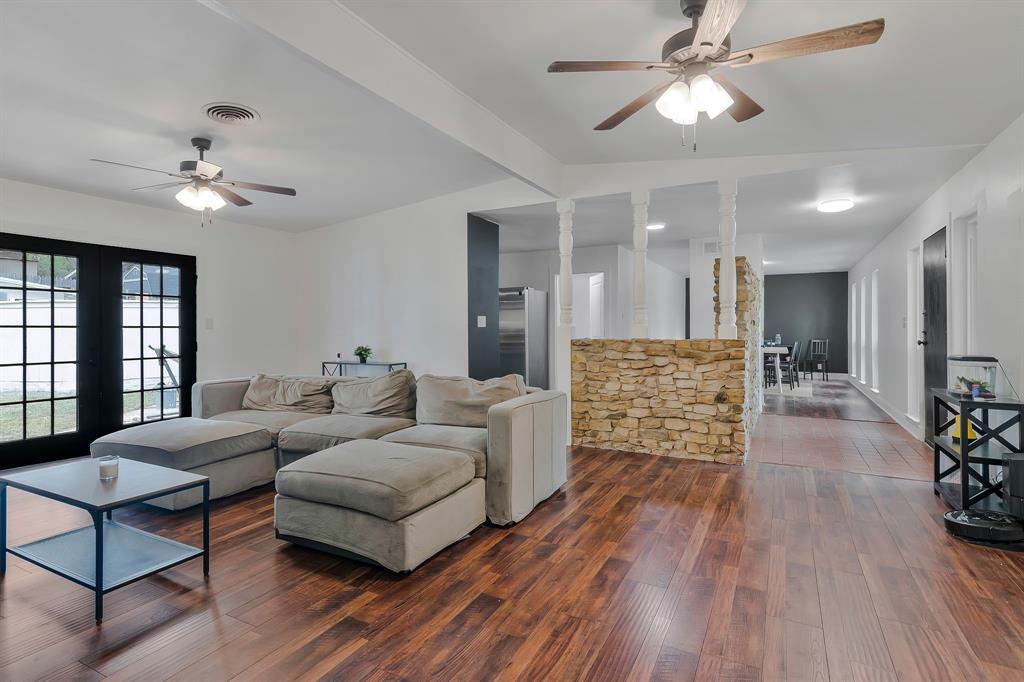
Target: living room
260,409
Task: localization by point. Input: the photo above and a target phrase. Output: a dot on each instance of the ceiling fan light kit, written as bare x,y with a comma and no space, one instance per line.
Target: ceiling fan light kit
692,54
202,184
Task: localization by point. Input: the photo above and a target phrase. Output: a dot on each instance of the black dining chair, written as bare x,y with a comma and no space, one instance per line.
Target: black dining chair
790,367
769,371
819,358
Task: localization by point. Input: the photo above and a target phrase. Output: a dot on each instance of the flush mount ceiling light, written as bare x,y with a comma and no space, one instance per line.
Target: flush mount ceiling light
656,226
835,205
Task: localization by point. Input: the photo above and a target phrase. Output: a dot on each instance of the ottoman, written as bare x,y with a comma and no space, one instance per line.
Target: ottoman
388,504
234,455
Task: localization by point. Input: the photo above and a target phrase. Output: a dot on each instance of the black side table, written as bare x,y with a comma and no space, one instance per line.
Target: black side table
976,488
106,555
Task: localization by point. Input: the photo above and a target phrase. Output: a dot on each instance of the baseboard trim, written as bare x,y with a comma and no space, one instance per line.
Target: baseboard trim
914,429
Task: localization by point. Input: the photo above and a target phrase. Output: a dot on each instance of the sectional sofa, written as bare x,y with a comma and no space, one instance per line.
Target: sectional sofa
388,469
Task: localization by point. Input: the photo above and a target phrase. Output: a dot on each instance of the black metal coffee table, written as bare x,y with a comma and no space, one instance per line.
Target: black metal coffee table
108,554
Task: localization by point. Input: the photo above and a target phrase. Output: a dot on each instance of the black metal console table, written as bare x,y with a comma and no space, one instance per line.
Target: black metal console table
976,488
339,368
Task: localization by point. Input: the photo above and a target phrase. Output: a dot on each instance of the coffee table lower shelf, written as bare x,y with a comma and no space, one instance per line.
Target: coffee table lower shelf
129,554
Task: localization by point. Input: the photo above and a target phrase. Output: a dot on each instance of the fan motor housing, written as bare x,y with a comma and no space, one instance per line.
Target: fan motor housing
678,48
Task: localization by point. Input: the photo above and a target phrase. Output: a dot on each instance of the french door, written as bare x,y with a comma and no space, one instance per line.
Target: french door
92,339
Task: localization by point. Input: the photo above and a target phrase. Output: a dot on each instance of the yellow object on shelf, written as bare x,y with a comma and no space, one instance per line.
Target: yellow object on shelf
955,431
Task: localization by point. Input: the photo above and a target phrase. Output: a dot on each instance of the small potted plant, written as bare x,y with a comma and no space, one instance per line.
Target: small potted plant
363,353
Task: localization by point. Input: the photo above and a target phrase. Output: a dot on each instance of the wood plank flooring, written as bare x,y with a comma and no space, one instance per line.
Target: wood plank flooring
641,568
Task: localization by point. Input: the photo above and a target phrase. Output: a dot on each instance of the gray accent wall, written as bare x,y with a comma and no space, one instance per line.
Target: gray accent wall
482,273
810,306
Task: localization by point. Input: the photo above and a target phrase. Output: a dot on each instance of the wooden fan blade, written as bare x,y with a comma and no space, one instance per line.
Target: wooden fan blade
633,107
715,23
572,67
162,185
742,107
228,195
258,187
854,35
128,165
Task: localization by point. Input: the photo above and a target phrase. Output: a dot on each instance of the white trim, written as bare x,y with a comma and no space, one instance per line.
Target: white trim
913,428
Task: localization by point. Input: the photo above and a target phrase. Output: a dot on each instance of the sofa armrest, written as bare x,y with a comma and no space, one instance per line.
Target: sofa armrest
214,397
526,460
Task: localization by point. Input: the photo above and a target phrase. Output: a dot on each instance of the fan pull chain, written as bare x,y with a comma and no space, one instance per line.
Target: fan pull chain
694,138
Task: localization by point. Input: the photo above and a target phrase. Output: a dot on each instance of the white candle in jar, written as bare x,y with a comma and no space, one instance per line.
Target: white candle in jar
108,467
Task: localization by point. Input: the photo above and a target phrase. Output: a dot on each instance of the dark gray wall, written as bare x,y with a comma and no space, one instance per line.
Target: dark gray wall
809,306
482,238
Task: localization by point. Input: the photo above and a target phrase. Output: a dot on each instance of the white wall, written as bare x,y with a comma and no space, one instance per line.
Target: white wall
394,281
702,280
992,184
246,285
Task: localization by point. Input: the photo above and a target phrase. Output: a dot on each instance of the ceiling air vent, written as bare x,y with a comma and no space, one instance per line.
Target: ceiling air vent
231,113
710,247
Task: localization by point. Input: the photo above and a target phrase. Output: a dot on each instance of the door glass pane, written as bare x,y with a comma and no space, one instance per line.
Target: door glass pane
12,345
131,315
65,272
171,406
130,342
131,375
12,265
37,346
131,274
37,382
65,380
151,311
11,306
38,270
131,408
151,373
151,406
65,416
172,281
37,307
172,372
65,344
151,279
172,346
11,422
37,419
170,312
12,384
65,308
150,342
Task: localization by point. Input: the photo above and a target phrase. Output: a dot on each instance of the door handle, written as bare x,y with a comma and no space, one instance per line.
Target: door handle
922,343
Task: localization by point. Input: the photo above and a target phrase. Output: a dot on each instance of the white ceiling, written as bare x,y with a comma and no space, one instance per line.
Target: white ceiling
782,207
126,81
943,73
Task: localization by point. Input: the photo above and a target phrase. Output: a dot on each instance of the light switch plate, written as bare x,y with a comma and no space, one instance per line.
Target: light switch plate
481,321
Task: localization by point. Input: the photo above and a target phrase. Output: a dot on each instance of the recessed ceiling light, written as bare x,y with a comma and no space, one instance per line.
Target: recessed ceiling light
656,226
835,205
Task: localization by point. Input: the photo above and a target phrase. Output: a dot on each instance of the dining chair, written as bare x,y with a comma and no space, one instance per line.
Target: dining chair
819,357
790,366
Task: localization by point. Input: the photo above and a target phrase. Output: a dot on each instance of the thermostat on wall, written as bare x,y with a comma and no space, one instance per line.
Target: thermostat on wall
481,321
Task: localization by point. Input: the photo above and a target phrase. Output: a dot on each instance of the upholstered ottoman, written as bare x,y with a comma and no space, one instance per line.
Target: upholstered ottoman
389,504
234,455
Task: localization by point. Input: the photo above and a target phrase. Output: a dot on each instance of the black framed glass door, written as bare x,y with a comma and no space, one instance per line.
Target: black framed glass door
92,339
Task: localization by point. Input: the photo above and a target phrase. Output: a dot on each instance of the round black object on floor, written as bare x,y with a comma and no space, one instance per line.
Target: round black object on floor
984,526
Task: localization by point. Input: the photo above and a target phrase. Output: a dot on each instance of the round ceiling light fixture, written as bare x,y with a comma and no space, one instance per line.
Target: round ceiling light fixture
656,226
835,205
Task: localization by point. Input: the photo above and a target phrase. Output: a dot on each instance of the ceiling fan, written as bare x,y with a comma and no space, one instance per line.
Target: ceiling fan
204,187
692,54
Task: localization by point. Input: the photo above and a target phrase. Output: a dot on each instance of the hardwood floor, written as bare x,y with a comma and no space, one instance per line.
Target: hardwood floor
641,568
835,399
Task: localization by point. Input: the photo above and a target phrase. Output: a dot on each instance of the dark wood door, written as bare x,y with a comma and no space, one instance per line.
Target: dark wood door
934,338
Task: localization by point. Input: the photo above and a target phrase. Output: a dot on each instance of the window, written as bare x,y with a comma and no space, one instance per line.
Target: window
854,350
38,344
862,340
874,331
150,342
913,324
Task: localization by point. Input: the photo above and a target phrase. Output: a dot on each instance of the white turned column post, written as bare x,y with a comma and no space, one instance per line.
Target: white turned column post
640,200
563,334
727,270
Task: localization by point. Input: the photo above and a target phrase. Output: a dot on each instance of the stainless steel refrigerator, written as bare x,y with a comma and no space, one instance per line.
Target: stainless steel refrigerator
523,333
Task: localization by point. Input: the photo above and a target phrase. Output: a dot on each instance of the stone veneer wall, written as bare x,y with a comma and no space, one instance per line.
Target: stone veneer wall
681,398
749,319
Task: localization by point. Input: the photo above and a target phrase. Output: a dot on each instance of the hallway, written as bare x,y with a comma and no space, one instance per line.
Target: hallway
834,399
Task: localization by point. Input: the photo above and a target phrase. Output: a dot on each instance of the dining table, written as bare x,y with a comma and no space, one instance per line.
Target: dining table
776,352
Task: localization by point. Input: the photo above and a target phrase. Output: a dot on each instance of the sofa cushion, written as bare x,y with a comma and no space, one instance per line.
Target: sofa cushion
391,395
288,394
314,435
461,401
388,480
271,421
183,443
470,440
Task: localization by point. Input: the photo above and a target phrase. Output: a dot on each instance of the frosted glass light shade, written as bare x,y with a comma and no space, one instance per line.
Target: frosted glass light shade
675,101
702,91
199,199
718,102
